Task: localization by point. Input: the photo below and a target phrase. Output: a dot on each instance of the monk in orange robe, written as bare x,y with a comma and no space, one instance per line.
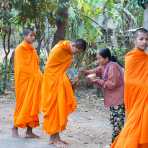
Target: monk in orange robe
27,85
58,99
135,131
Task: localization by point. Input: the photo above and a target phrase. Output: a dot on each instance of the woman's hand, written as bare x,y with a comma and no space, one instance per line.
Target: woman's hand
91,77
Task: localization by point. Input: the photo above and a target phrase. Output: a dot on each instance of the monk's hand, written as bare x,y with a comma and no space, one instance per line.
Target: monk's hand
82,71
75,82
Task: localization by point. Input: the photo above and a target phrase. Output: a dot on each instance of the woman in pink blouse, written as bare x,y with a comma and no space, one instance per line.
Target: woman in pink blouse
109,76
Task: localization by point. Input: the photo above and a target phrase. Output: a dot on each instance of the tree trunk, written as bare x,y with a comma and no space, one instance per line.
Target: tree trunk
7,51
146,16
61,21
38,35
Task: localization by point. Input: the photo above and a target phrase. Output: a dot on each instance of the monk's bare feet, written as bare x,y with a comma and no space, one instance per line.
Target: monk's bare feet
15,132
59,143
64,142
56,141
30,134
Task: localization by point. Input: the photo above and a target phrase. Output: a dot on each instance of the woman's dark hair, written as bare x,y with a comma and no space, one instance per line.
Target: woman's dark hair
106,53
114,59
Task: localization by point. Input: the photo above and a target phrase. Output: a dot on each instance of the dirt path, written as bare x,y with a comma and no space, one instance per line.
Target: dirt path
88,127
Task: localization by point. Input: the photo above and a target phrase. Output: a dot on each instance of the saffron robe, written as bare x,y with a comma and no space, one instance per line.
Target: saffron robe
135,132
27,86
58,99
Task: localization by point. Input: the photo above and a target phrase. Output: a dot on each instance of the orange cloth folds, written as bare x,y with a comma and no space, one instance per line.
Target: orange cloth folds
58,99
27,86
134,133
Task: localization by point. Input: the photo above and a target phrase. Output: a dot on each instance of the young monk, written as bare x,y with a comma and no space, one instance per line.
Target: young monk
135,131
58,99
27,85
110,79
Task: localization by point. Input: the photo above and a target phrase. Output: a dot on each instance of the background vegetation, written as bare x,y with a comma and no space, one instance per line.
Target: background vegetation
103,23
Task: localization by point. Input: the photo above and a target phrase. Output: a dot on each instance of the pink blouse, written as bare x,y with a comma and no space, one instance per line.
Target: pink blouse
112,83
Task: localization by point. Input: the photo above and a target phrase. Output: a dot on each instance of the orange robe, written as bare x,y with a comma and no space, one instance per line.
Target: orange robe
27,86
58,99
135,132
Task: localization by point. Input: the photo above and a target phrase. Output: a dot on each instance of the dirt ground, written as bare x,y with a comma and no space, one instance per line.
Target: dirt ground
88,127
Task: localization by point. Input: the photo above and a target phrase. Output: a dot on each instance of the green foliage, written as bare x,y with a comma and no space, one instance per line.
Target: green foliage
103,23
119,54
94,20
85,12
29,11
10,77
5,17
